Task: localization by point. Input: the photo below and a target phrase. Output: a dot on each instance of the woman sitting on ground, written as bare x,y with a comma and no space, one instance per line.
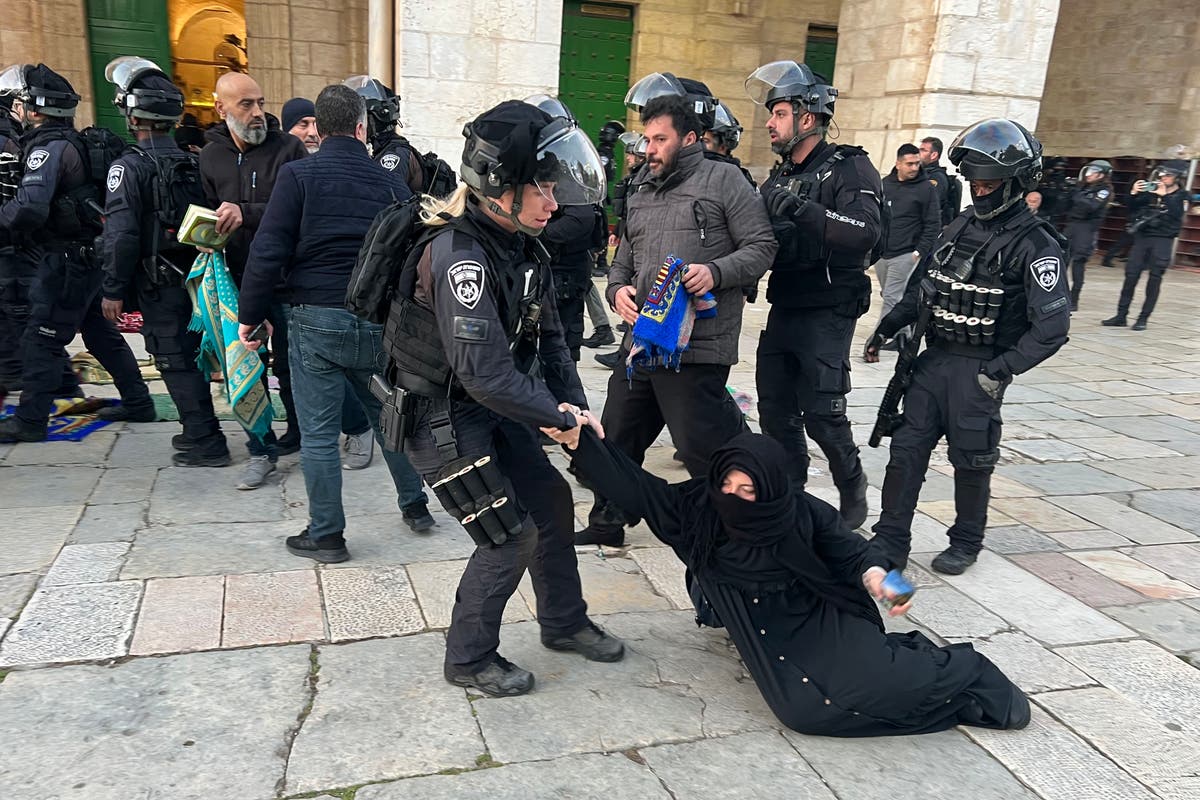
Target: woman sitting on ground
790,584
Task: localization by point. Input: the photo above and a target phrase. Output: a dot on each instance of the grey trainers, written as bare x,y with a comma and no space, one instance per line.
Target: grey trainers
255,472
358,450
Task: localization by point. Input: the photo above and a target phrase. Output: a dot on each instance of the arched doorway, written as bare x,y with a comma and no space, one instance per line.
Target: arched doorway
208,39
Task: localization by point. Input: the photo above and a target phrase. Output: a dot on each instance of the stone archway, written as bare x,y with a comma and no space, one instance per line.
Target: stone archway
208,39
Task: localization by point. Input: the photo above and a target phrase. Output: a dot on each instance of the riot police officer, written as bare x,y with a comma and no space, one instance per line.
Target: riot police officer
999,306
142,261
16,270
53,216
824,201
1086,210
473,313
723,137
393,152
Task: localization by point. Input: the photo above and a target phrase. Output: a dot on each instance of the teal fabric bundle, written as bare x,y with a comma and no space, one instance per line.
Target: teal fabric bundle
664,325
215,315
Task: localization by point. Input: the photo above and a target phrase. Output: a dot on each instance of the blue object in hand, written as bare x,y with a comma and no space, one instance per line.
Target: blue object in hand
896,584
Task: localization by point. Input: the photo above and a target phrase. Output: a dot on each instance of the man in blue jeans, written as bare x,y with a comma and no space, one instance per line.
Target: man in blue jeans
310,234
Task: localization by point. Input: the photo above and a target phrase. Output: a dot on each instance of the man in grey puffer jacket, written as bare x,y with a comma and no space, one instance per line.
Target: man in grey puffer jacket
705,213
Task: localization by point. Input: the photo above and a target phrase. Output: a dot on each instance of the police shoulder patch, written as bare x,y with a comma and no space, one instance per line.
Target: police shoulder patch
466,282
36,159
116,174
1045,272
1103,194
470,329
390,162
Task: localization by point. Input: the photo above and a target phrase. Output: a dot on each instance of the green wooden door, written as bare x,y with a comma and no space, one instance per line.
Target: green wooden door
593,70
124,28
820,51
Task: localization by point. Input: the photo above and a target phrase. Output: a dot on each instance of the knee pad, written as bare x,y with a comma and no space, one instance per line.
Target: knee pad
173,362
472,491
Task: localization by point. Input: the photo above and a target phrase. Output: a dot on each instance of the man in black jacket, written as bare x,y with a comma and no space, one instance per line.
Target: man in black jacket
310,236
949,190
824,203
1156,209
1085,212
914,222
238,167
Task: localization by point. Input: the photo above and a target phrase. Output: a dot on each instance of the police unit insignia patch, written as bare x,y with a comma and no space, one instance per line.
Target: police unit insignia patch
1045,272
466,281
115,174
1102,194
36,159
390,162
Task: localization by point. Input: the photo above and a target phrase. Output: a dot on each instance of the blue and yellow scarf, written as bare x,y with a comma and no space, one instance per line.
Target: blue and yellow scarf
664,325
215,315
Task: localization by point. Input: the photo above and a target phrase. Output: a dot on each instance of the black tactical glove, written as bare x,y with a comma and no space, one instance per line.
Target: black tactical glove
783,204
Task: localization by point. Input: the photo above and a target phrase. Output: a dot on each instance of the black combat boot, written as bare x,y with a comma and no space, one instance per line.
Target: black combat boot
210,451
14,429
501,678
853,506
417,517
601,337
328,549
608,360
1114,322
954,560
592,642
1140,325
129,412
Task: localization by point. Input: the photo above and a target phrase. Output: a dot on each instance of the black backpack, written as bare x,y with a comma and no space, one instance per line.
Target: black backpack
437,177
953,194
391,237
99,148
177,185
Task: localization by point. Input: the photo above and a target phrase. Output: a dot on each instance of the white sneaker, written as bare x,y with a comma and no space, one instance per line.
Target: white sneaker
255,472
359,450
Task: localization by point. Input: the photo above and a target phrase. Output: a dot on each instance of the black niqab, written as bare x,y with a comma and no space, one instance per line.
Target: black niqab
767,539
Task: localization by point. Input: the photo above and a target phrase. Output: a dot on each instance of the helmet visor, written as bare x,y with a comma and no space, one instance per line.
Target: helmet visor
997,139
368,87
569,167
551,105
635,144
1089,170
777,73
656,84
12,80
124,70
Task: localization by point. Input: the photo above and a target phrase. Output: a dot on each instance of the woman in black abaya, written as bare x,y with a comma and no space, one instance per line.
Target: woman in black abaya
790,584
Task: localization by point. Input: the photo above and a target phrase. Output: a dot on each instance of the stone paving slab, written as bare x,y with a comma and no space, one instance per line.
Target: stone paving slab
1051,450
217,549
1174,625
73,623
121,484
610,590
1097,539
1057,764
1078,580
1181,561
589,777
435,582
1125,447
369,601
952,614
1140,744
109,523
1019,539
1028,664
1174,506
179,615
1159,473
36,535
1032,605
723,769
378,540
184,495
1069,478
1134,574
1038,514
382,710
665,572
87,563
937,766
153,449
1161,684
272,608
1107,513
190,727
14,592
92,449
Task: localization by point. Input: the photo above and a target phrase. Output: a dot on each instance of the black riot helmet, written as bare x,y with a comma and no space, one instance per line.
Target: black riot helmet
795,83
1098,166
40,89
551,105
664,84
726,129
998,150
144,92
1175,166
383,105
516,144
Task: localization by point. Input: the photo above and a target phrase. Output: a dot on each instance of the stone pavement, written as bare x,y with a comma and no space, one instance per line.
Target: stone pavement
159,642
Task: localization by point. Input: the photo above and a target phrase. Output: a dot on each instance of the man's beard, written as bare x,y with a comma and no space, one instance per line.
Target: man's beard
666,166
311,147
249,134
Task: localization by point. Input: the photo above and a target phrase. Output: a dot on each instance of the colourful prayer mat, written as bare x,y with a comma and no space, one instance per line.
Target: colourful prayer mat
664,325
70,420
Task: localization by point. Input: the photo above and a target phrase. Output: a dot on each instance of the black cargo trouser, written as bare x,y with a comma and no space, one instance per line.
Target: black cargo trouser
803,377
692,403
17,271
545,544
1149,253
65,300
945,399
166,312
1082,236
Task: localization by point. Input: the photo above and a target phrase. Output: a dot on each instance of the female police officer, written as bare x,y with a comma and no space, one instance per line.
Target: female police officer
473,314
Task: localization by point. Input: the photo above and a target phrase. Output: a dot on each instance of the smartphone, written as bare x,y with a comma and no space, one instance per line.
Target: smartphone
896,583
259,334
1151,186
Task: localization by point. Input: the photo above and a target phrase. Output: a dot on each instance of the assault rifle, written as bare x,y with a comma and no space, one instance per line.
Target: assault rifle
890,416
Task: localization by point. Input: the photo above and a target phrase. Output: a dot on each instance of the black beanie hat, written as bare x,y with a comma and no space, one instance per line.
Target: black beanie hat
295,110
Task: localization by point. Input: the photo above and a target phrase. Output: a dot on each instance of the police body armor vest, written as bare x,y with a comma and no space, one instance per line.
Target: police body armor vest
74,207
411,337
807,184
